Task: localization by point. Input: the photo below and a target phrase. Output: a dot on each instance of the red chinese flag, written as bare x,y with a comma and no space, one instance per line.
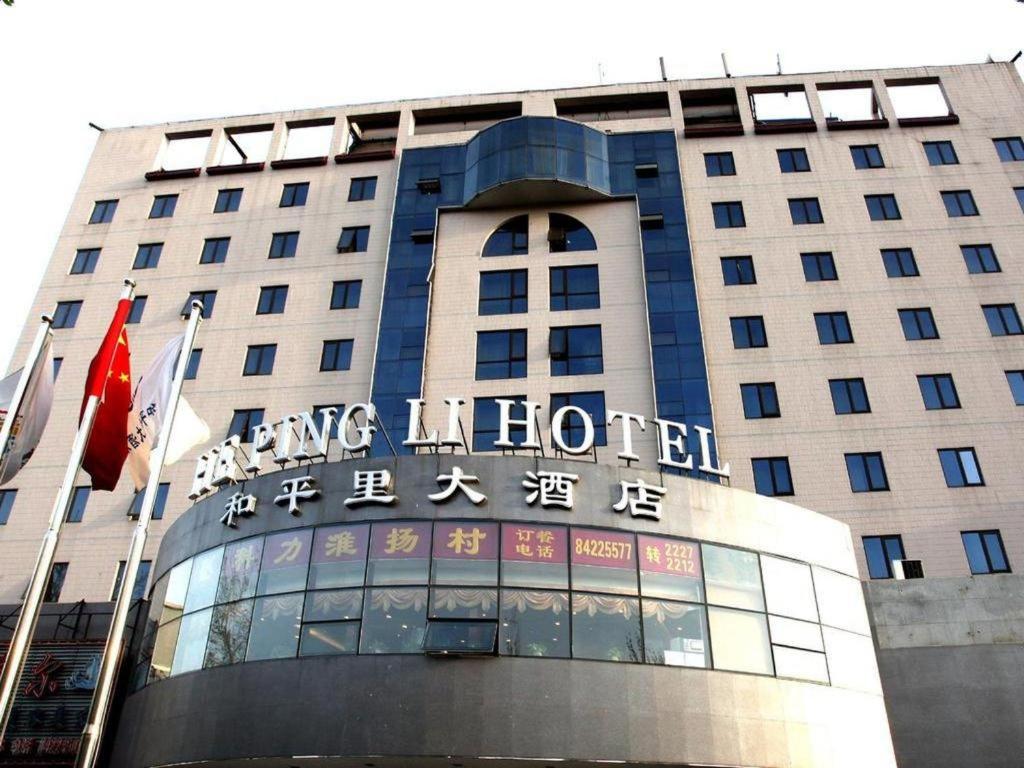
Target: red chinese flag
110,379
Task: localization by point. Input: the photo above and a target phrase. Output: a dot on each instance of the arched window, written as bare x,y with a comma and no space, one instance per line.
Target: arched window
510,239
568,234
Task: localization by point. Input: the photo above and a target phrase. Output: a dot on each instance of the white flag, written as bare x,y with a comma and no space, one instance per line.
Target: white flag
31,418
149,404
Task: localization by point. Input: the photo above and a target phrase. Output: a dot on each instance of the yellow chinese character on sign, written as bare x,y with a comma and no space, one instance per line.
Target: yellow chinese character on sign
524,549
545,537
289,551
339,544
545,551
523,534
653,555
466,543
401,540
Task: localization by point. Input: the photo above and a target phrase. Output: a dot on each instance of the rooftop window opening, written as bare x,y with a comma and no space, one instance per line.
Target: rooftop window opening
371,134
510,239
780,108
567,234
920,101
184,151
308,139
711,112
245,145
619,106
849,103
474,117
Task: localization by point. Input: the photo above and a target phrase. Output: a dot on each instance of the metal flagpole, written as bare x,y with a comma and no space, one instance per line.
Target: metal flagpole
35,352
88,751
18,648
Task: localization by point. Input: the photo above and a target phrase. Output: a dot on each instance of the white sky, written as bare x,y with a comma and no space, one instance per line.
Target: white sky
128,62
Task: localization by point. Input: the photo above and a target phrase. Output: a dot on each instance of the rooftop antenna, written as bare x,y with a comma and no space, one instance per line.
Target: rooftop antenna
778,64
661,63
725,65
1016,56
96,127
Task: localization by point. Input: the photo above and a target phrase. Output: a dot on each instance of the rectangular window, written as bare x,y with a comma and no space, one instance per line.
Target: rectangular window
959,203
65,315
1019,192
1016,381
772,476
345,294
572,288
738,270
867,156
805,210
486,422
833,328
283,245
818,267
1010,149
294,195
135,313
940,153
760,401
364,188
272,300
882,207
918,324
85,261
938,391
503,293
960,467
899,262
228,200
6,504
54,585
158,506
259,360
244,421
103,211
793,160
215,250
1002,319
880,552
79,500
572,425
719,164
354,240
148,256
141,580
208,298
163,206
748,332
575,350
985,552
192,369
980,259
500,355
867,472
849,396
57,363
336,355
339,409
728,215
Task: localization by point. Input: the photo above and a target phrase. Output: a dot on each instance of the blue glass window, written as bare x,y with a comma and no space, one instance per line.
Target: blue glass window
575,350
738,270
918,324
65,315
867,156
57,363
259,360
500,355
833,328
79,500
1019,192
345,294
135,313
85,261
364,188
574,288
899,262
148,256
163,206
141,580
805,210
719,164
940,153
882,207
880,551
985,552
849,396
819,267
486,422
208,298
339,409
567,234
510,239
158,506
960,467
1002,319
272,300
228,200
867,472
103,211
572,426
793,160
54,585
215,250
283,245
6,504
336,355
959,203
748,332
760,401
728,215
192,368
1016,381
244,421
354,240
772,476
1009,149
294,195
980,259
503,293
938,391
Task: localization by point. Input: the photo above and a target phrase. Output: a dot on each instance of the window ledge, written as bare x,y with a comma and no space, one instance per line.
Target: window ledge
223,170
910,122
299,162
786,126
722,129
855,125
359,157
180,173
